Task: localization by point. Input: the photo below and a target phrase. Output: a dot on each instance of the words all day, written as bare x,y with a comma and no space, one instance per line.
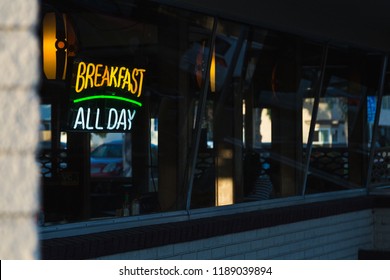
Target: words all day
114,120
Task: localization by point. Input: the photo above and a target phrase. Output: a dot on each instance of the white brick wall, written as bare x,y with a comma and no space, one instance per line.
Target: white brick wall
19,123
382,229
335,237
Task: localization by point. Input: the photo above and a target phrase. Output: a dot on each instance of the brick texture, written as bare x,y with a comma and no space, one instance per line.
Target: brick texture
382,229
19,119
338,237
325,230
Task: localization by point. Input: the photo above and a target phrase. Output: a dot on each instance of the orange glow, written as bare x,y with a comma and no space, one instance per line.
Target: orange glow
61,44
224,192
49,46
55,50
212,72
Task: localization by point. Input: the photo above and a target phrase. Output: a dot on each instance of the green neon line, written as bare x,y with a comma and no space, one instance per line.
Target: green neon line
107,97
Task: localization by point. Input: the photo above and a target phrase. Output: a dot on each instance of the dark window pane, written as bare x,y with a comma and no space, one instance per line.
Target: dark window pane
339,158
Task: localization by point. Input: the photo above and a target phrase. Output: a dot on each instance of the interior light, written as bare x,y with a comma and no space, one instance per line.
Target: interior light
59,42
212,72
60,45
49,46
200,67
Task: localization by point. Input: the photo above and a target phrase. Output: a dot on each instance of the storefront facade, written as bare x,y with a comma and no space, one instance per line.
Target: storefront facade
169,123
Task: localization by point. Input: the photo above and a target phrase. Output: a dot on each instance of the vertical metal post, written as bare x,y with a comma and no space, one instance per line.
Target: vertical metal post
314,119
376,121
198,121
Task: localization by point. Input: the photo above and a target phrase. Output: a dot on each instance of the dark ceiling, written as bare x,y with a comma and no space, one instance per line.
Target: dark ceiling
362,23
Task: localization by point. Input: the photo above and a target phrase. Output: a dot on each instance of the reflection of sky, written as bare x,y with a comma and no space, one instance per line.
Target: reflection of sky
371,108
45,112
384,119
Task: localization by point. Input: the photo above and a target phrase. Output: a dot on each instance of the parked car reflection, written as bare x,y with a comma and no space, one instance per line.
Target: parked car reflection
107,160
112,159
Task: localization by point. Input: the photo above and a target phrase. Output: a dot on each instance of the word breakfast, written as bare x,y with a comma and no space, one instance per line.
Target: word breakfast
90,75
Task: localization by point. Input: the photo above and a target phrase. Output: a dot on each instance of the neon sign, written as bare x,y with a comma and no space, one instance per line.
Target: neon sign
104,97
91,75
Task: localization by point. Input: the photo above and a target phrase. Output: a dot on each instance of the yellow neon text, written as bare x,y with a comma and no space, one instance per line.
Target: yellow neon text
90,75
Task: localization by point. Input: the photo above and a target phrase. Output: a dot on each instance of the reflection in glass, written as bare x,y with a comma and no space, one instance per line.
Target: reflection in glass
343,127
256,117
275,119
285,81
110,156
52,145
45,141
217,179
381,162
142,171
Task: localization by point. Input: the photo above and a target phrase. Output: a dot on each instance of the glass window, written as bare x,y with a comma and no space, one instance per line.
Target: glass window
381,162
44,156
128,144
53,145
256,117
166,109
108,155
343,123
286,78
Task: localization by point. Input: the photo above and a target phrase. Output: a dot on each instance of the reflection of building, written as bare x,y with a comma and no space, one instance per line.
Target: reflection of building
331,124
295,109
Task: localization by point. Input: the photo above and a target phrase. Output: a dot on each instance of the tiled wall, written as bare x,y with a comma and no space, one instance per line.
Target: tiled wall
19,126
333,237
382,229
